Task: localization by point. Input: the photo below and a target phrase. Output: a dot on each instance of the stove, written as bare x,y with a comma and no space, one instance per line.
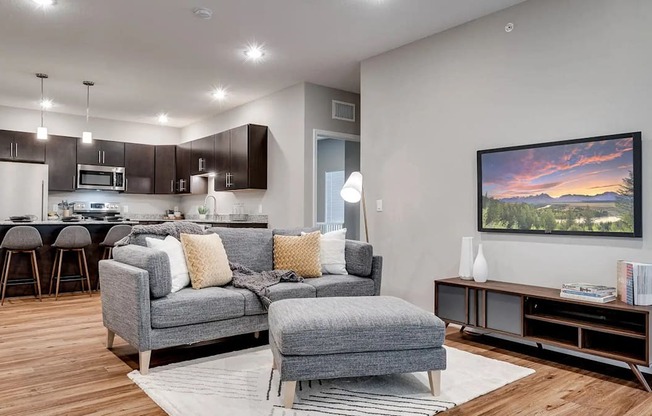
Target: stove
109,211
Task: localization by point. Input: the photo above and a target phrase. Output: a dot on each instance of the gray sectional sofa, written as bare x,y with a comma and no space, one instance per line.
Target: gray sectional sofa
138,306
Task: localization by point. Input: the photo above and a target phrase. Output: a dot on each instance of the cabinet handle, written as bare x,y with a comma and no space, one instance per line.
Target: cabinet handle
16,151
199,167
73,182
99,157
172,186
103,157
11,151
126,185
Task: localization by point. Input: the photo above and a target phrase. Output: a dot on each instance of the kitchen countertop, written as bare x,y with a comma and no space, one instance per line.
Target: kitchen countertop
59,222
130,222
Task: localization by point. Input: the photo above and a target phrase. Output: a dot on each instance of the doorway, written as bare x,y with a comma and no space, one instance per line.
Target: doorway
336,156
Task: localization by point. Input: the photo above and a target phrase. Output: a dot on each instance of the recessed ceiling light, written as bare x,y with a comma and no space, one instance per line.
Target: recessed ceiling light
163,118
219,93
44,3
254,52
46,103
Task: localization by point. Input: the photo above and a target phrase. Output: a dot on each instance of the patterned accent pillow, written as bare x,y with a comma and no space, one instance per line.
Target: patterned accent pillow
299,254
207,262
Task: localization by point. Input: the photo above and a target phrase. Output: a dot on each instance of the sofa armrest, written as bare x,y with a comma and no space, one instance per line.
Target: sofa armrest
377,273
155,262
126,302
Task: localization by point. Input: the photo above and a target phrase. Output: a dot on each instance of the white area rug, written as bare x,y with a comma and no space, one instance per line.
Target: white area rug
243,383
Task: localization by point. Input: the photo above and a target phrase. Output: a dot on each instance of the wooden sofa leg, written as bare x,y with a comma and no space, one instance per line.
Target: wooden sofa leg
143,361
290,388
110,336
435,382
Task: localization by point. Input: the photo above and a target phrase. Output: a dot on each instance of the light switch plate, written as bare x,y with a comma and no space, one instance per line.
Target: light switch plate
379,205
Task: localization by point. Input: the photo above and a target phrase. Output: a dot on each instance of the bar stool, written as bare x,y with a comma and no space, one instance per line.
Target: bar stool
21,239
115,234
73,238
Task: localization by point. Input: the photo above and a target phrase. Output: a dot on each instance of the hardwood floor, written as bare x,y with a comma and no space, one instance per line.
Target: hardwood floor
53,362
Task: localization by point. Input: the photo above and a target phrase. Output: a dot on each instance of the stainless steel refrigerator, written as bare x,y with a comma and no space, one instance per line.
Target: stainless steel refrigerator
23,190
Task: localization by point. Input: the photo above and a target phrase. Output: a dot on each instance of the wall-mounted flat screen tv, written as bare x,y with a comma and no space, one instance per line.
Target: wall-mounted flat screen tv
588,186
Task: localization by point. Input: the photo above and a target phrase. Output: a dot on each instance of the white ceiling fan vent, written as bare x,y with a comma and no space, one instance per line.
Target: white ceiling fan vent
343,111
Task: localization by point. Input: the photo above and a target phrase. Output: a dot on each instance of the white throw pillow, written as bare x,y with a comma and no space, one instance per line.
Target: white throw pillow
332,252
178,268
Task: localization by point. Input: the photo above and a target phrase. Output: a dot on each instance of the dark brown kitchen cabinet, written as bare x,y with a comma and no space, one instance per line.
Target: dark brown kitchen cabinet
202,159
139,165
62,165
21,146
241,158
183,168
101,152
165,170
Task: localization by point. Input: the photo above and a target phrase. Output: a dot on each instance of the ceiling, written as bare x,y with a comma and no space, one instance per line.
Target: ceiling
153,56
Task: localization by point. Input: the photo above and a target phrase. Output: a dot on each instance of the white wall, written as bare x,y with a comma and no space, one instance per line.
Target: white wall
70,125
283,113
570,69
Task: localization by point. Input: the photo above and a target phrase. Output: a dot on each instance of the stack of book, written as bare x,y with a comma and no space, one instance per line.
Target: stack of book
634,281
588,292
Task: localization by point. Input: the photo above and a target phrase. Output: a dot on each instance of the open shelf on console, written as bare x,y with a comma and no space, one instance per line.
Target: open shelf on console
594,317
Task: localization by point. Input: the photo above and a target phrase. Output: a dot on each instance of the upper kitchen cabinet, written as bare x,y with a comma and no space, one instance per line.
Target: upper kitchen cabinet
202,159
241,158
165,170
183,168
20,146
62,168
101,152
139,162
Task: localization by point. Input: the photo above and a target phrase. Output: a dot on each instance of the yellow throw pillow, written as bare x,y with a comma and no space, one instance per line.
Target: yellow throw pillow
207,262
300,254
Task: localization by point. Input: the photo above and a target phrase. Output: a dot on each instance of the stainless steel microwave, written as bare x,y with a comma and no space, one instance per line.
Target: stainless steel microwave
101,178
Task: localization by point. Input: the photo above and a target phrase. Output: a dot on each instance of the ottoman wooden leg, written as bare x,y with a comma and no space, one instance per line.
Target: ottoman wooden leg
290,388
435,382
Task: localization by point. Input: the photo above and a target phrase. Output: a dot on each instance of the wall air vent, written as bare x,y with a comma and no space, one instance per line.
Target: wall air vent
343,111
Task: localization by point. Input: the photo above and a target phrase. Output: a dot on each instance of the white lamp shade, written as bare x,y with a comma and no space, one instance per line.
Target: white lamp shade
87,137
352,189
42,133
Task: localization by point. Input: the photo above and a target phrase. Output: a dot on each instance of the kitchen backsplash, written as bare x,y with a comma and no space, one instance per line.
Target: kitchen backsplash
135,204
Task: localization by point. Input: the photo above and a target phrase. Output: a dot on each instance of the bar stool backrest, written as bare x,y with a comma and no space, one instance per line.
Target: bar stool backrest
73,236
22,237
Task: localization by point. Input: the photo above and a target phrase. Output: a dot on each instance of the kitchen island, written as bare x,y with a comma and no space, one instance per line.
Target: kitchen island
49,230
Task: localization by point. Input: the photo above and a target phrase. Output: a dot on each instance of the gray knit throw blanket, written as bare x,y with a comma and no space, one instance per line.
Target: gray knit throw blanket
260,282
175,229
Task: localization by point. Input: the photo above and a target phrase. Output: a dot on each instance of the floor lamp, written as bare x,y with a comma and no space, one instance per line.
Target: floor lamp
353,192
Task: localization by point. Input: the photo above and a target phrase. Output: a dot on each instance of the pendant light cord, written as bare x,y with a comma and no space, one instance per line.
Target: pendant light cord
41,102
88,100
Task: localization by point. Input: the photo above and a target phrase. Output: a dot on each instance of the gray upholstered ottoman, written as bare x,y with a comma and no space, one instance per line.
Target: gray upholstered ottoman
327,338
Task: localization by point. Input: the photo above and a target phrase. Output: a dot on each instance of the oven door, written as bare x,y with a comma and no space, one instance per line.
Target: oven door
103,178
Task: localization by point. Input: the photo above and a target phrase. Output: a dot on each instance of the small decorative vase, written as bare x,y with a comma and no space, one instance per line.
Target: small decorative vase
202,216
480,269
466,259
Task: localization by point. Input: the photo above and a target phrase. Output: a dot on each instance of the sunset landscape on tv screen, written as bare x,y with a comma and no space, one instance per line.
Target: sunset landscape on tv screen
580,188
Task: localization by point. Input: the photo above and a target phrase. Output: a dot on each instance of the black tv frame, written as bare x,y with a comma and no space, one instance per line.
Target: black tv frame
638,186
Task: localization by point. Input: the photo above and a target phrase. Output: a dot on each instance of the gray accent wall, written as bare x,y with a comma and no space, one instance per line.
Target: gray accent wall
569,69
318,116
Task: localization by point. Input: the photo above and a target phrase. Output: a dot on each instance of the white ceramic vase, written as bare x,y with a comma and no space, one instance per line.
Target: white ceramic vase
480,269
466,259
202,216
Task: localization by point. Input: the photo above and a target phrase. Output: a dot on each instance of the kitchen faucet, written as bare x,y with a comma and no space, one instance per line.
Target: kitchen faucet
214,205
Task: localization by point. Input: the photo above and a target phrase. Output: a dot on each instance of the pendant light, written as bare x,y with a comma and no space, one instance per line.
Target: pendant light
87,136
42,131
